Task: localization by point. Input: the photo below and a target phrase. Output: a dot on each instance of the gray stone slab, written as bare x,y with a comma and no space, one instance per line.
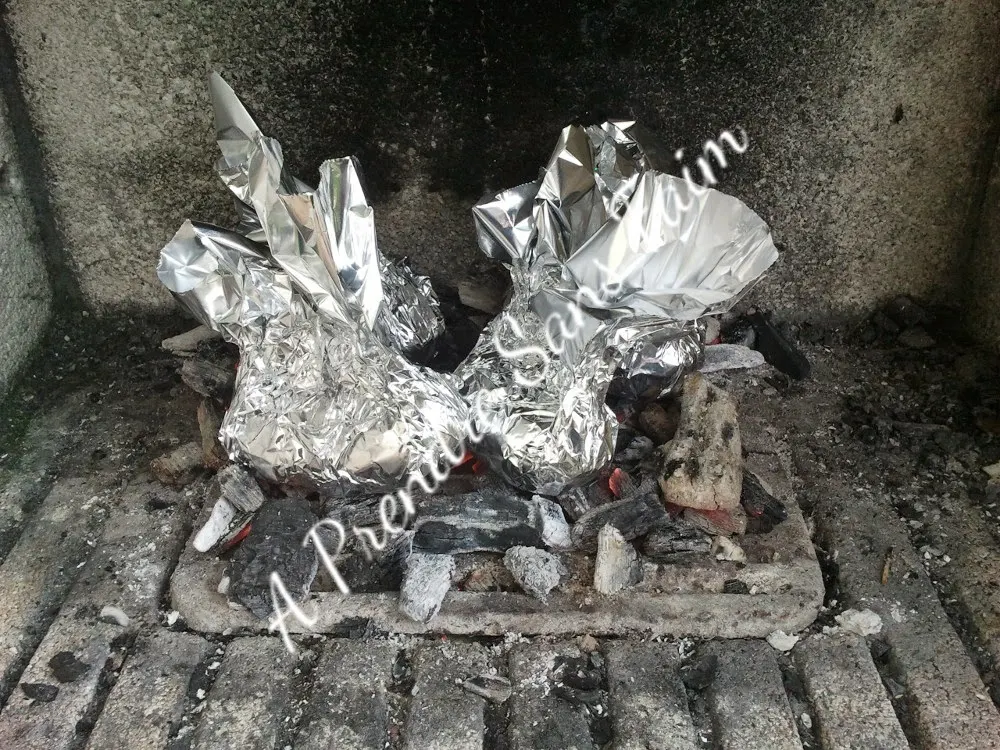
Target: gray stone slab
250,699
146,703
348,708
127,571
649,705
680,600
850,705
444,716
538,718
40,569
750,710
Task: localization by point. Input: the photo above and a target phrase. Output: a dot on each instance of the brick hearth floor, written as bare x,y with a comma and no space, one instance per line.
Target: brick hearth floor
84,527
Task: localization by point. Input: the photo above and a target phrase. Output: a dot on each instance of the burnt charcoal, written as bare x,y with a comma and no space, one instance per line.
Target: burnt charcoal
702,466
576,501
739,331
718,522
730,357
673,537
209,421
778,350
636,449
617,565
209,379
735,586
240,497
493,688
627,395
659,424
274,545
764,511
633,518
66,667
493,519
536,571
480,572
39,691
698,673
426,583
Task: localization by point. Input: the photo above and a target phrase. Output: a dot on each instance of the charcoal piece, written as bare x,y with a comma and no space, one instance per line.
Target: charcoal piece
577,697
659,423
240,497
425,584
40,691
209,379
739,331
617,565
492,519
716,522
209,421
779,352
66,667
764,511
730,357
631,452
702,467
575,501
672,538
535,570
698,673
274,545
632,518
493,688
627,395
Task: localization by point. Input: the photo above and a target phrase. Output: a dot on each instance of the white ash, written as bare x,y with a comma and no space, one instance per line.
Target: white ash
863,622
617,565
425,584
725,548
782,641
535,570
115,615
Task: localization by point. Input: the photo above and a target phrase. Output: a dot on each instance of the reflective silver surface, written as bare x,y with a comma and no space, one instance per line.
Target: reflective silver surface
612,264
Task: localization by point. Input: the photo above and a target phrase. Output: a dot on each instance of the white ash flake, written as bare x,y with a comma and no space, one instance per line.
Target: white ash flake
782,641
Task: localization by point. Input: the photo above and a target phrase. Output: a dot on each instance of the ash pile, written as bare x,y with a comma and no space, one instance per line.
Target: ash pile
369,434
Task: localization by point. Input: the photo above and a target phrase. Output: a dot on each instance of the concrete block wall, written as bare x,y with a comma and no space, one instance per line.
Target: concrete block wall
867,121
25,295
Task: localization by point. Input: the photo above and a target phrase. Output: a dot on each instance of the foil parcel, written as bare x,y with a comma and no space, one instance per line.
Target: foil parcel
613,262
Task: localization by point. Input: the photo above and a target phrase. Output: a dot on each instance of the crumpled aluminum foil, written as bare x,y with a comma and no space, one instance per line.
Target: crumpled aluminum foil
612,264
324,239
318,402
324,396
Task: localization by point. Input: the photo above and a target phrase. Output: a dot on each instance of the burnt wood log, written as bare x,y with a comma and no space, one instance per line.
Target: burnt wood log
209,379
633,518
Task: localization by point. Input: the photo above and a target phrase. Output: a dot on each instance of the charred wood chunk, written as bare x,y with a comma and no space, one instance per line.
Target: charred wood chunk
617,565
209,422
777,349
632,448
672,539
209,379
179,467
274,545
702,467
764,511
493,519
633,518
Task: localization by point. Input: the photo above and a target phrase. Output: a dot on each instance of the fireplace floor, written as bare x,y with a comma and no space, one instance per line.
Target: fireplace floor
88,538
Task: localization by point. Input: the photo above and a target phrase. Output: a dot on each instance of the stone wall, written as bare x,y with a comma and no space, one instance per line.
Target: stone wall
867,120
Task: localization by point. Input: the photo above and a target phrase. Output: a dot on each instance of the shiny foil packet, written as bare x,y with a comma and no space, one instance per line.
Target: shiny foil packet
612,264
